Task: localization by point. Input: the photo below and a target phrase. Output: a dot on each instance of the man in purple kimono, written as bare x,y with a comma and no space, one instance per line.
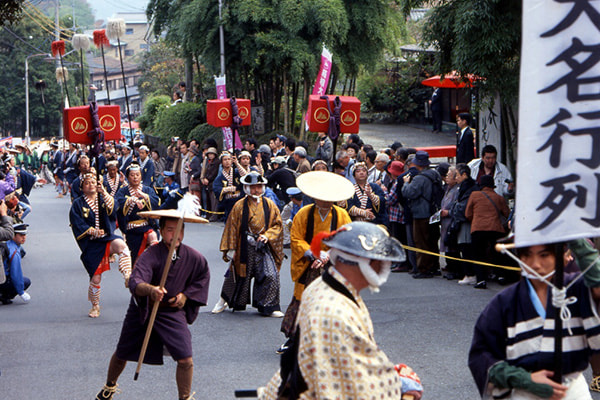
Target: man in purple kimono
185,290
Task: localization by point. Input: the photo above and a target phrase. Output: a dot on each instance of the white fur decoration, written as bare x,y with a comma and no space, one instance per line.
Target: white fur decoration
188,205
80,42
115,28
62,75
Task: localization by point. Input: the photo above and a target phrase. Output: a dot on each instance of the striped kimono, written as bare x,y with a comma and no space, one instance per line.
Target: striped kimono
511,329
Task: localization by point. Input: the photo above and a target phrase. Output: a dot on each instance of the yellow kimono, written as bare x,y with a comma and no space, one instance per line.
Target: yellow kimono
299,245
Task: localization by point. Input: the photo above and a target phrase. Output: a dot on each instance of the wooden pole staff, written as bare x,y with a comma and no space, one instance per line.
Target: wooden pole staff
163,279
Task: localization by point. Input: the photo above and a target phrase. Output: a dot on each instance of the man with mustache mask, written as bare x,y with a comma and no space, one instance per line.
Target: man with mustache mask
334,354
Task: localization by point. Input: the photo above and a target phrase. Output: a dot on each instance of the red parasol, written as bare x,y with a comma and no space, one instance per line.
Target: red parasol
451,80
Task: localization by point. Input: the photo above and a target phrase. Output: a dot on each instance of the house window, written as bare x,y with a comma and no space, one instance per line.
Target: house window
128,53
129,31
144,46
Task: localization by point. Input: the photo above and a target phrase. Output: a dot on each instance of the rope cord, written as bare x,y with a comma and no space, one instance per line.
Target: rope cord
559,296
460,259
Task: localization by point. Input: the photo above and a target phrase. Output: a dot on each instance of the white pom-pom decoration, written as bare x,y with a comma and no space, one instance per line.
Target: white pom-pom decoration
80,42
62,75
115,28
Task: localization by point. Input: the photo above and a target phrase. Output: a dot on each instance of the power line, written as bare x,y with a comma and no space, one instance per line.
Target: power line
23,40
37,22
44,19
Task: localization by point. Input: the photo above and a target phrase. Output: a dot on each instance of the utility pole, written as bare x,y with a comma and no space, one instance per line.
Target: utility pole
221,39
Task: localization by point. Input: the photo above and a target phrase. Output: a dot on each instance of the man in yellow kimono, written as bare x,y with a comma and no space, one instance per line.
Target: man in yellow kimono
254,233
322,216
333,354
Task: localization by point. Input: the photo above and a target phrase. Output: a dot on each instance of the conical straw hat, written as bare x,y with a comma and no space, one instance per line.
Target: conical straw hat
325,186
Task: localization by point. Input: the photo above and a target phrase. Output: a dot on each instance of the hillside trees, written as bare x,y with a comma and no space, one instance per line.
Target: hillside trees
273,47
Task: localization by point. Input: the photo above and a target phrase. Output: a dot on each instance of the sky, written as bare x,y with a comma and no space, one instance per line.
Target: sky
104,9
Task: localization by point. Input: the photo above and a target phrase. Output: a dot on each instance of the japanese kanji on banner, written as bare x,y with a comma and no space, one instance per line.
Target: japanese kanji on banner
558,167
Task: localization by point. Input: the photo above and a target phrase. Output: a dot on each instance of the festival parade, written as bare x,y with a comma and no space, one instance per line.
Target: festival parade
312,200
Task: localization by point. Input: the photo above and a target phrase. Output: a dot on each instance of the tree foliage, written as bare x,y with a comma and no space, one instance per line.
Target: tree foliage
273,47
45,116
162,69
178,120
481,37
10,11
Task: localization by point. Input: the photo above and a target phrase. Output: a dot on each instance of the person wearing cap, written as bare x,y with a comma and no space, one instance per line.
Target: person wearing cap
325,189
12,253
279,144
325,148
146,165
170,184
485,210
396,215
512,351
253,233
281,178
465,146
419,191
93,229
334,353
368,201
83,166
132,199
227,186
299,156
184,292
289,211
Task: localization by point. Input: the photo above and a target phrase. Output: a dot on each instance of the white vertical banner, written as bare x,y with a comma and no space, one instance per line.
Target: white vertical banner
558,165
220,82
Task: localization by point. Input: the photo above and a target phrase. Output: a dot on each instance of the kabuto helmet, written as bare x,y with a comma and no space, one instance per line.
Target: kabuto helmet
359,243
368,240
253,178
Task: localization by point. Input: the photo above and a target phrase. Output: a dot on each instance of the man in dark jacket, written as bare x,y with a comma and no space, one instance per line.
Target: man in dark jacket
418,190
465,148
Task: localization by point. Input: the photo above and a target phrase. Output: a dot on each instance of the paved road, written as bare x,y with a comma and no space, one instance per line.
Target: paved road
381,136
50,349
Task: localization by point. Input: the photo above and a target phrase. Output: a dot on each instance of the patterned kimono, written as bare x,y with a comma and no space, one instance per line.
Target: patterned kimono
84,216
361,202
221,187
511,329
247,220
338,357
136,228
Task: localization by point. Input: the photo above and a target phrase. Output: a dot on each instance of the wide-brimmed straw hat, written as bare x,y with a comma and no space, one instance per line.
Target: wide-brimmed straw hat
325,186
173,214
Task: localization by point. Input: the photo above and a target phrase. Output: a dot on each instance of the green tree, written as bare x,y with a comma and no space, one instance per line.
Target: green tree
273,48
481,37
162,70
11,11
45,117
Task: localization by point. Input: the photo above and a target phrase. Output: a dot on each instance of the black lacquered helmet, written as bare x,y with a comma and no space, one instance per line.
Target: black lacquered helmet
368,240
